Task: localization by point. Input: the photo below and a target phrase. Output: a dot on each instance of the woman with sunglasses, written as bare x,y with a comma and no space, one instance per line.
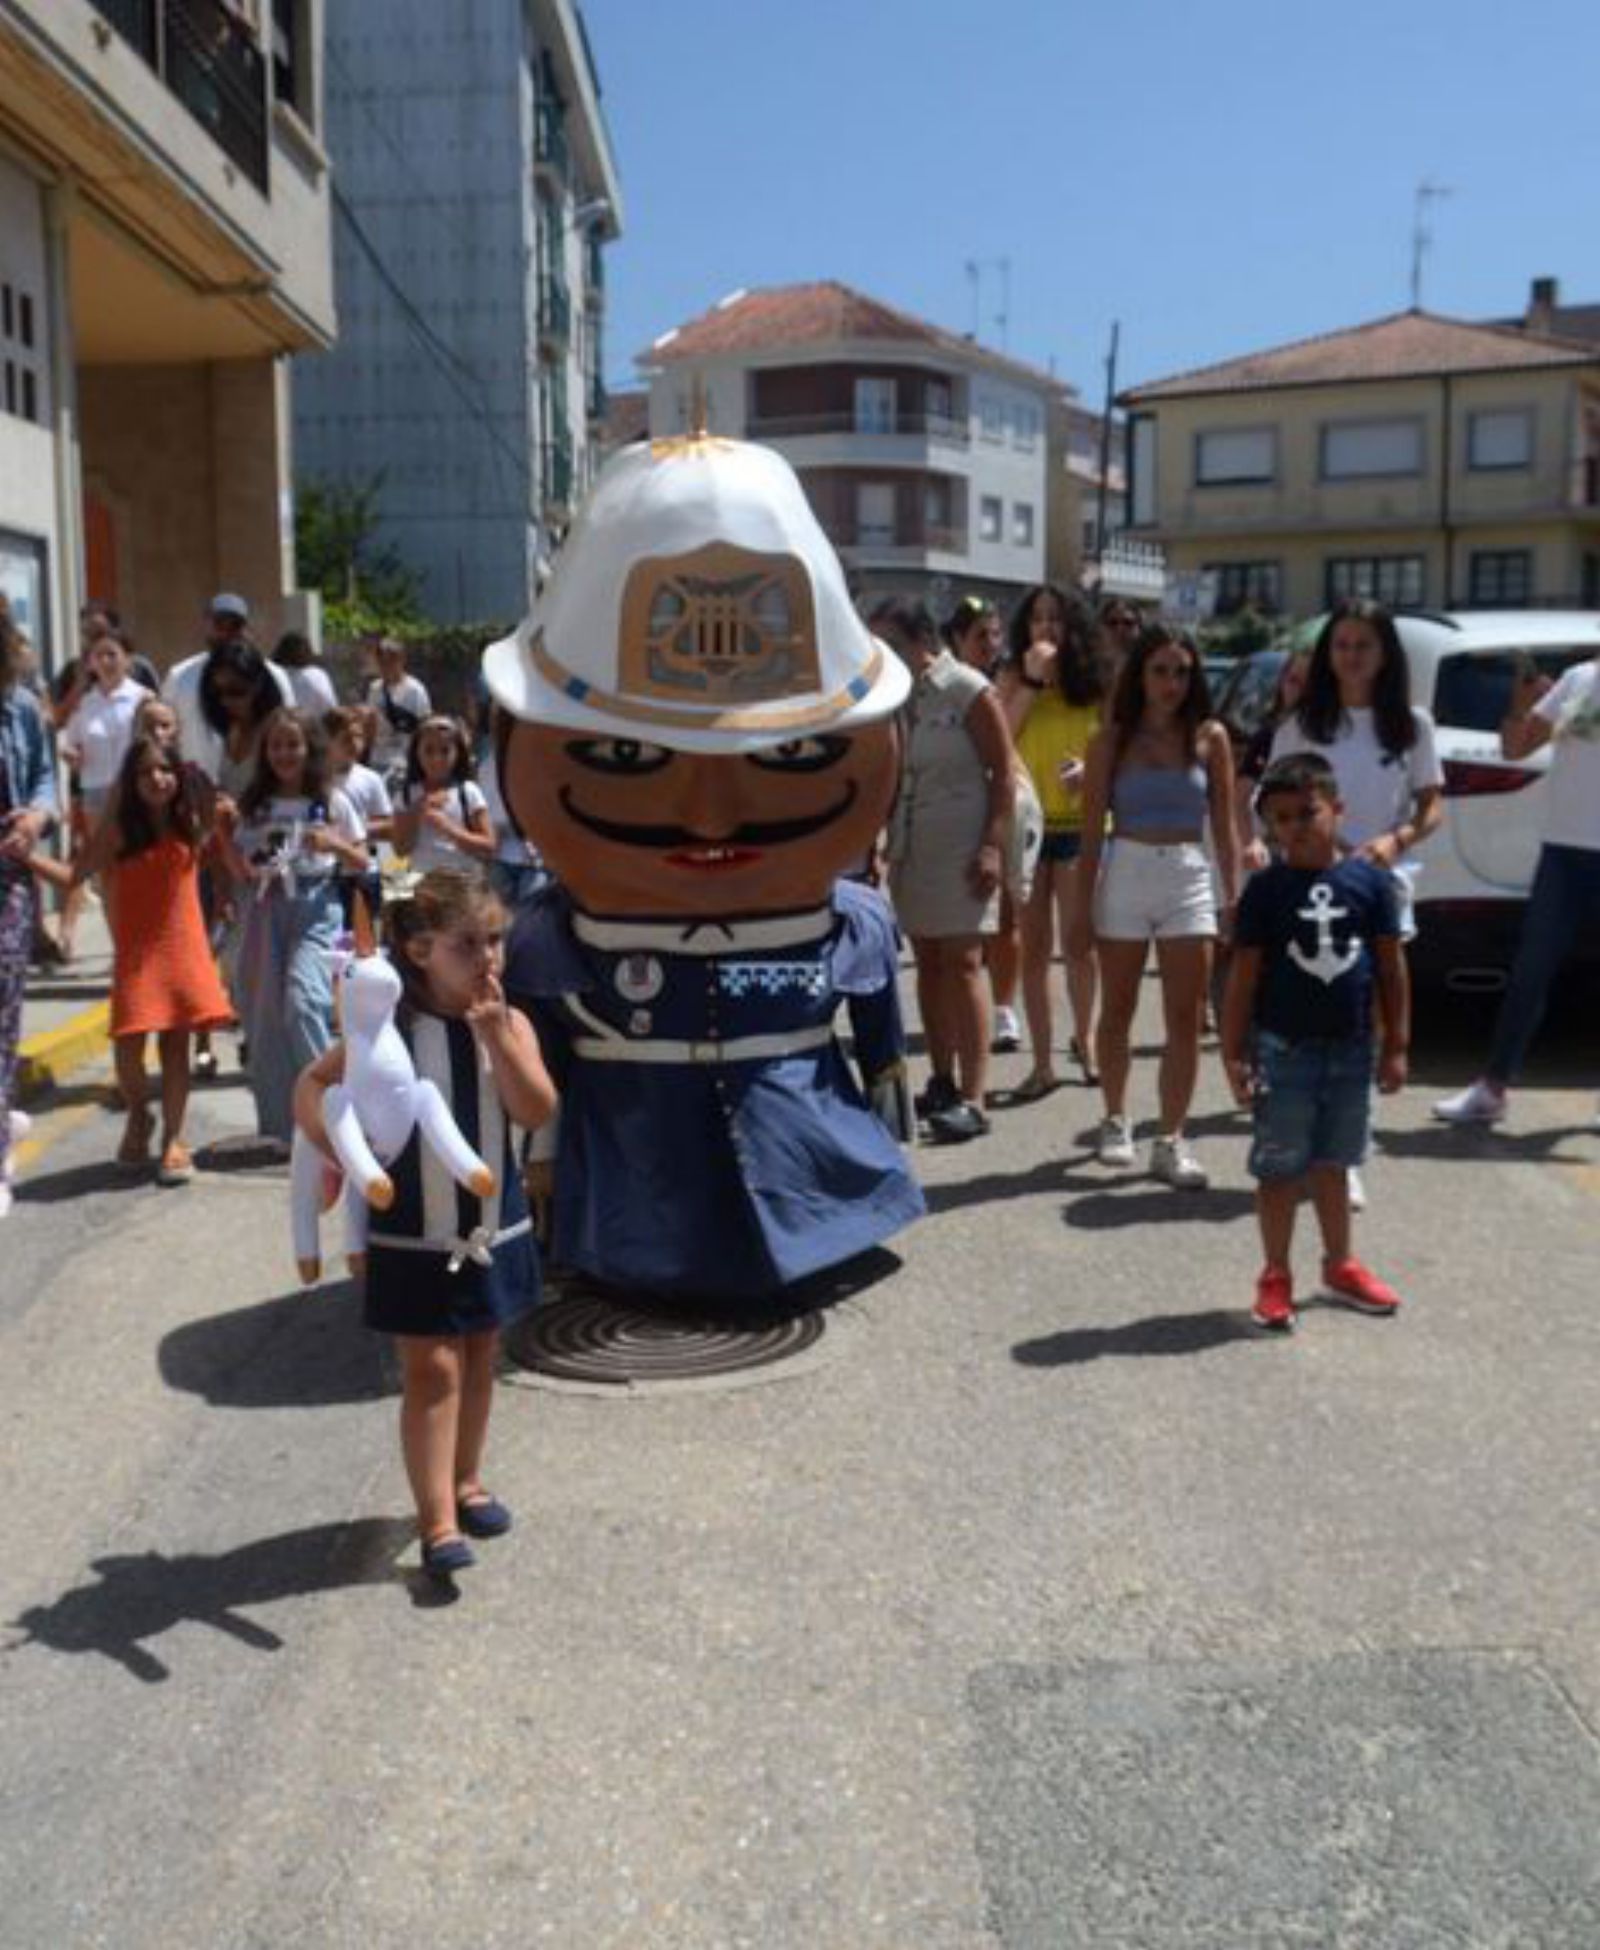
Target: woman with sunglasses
1158,771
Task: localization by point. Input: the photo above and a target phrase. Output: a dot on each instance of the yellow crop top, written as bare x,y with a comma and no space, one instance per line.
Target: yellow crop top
1052,732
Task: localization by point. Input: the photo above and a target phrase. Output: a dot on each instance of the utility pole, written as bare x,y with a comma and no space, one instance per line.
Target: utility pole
1105,444
1421,235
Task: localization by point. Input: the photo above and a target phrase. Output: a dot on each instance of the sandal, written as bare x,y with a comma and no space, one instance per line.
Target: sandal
134,1150
1084,1061
482,1515
176,1166
1036,1084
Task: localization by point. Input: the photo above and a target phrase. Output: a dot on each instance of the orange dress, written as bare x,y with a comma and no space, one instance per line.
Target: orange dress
165,976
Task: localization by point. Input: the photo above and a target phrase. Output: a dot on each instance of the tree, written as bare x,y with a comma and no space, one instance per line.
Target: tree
365,583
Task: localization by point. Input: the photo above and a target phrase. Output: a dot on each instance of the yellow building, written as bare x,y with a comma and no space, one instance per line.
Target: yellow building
164,244
1417,459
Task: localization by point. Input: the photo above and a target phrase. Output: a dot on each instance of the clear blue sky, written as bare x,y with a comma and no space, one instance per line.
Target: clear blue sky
1221,175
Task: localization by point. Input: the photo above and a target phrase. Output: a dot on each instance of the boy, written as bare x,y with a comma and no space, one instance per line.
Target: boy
1316,936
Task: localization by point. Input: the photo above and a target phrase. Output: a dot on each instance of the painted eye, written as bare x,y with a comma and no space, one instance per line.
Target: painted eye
629,757
801,754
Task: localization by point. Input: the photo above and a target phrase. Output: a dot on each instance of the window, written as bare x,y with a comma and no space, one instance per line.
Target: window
1260,584
1502,576
1502,439
1232,458
1141,469
288,56
1364,449
1022,523
875,514
19,380
874,406
1391,579
992,417
991,514
1025,428
937,403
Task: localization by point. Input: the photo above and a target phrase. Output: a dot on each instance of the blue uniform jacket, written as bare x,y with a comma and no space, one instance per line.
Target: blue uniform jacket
685,1172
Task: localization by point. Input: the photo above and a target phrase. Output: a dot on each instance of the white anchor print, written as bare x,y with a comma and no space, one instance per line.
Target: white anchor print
1328,963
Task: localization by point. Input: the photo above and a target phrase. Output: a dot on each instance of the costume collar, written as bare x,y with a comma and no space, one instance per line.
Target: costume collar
698,937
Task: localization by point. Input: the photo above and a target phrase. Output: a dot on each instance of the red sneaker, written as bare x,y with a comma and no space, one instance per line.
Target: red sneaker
1359,1287
1274,1306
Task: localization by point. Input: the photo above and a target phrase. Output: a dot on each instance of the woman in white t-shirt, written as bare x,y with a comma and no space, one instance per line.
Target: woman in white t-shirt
292,834
1356,712
100,730
442,819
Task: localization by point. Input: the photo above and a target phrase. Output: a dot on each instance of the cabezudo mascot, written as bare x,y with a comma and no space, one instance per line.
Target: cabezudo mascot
698,733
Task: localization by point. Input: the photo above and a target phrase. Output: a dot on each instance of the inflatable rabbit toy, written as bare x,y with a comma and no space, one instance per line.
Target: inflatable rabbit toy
369,1118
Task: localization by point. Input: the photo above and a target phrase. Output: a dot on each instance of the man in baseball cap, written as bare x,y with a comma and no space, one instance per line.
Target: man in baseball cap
697,731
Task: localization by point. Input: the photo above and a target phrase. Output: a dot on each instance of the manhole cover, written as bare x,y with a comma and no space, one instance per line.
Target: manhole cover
594,1337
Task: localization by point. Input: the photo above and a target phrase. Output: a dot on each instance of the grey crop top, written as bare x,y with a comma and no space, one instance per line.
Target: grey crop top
1159,799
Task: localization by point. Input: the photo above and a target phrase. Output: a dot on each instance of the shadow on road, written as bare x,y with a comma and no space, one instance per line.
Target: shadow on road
1467,1142
137,1598
1159,1334
299,1350
80,1181
993,1185
1110,1208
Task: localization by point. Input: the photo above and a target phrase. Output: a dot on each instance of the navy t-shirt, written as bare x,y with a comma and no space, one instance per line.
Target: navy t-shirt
1316,928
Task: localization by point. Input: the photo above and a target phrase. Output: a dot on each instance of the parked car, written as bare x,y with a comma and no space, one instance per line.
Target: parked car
1475,872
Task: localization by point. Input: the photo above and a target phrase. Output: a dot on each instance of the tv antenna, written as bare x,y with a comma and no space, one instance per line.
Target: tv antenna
1421,236
976,266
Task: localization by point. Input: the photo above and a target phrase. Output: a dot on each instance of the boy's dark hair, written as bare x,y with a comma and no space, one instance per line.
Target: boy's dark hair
1307,772
908,618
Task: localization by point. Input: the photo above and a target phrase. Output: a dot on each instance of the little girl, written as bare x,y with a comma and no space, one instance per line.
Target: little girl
443,818
445,1270
157,717
292,833
164,981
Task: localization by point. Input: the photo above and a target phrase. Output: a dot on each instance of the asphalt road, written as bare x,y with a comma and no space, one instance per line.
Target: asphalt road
1040,1604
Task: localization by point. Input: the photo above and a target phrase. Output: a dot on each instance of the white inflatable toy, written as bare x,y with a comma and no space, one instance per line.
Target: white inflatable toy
370,1116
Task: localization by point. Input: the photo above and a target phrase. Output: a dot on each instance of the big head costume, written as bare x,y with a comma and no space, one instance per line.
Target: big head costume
700,740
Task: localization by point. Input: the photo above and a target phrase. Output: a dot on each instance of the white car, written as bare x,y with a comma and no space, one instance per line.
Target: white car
1476,871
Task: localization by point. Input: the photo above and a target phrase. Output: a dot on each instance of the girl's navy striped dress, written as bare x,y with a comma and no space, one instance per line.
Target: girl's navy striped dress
440,1260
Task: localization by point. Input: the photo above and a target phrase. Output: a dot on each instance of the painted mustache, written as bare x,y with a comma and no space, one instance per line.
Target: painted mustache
754,833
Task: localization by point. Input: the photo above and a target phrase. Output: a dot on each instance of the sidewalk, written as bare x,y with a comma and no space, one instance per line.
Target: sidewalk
66,1011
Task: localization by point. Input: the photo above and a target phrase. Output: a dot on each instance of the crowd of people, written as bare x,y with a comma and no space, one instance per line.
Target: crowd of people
1068,799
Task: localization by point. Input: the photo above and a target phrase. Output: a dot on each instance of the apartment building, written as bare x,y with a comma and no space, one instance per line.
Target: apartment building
926,456
476,192
163,245
1417,459
1087,503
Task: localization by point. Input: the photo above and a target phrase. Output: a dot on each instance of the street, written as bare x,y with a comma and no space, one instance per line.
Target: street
1040,1604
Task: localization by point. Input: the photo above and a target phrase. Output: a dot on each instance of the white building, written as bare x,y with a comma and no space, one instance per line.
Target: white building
925,455
476,190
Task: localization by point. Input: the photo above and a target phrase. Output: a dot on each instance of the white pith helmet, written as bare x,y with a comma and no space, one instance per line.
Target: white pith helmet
697,604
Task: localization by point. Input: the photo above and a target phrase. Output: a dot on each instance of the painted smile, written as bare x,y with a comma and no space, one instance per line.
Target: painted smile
684,847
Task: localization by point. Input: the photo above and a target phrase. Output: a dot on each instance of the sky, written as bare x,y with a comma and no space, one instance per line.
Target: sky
1220,176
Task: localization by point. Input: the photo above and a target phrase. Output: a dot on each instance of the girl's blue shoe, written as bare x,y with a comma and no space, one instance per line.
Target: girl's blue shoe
447,1556
484,1516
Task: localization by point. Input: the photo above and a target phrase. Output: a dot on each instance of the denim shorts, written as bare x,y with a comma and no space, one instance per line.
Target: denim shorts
1313,1104
1061,844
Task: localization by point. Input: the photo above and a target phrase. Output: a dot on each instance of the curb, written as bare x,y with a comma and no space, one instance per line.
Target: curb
46,1061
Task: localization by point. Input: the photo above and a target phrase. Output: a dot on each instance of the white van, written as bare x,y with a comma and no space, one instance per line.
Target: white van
1472,890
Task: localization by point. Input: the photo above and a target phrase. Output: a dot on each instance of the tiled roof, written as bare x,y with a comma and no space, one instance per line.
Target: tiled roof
1566,322
776,317
1408,345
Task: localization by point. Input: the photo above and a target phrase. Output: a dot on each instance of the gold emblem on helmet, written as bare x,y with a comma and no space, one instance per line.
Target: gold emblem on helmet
721,625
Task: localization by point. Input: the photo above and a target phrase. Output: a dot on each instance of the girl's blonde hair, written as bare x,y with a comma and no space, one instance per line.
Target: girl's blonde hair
440,902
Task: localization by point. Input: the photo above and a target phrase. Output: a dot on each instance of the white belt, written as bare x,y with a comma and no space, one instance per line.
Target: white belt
734,1049
478,1246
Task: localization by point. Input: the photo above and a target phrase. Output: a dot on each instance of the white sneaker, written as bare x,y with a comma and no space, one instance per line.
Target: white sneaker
1480,1103
5,1195
1356,1191
1007,1031
1172,1161
1113,1142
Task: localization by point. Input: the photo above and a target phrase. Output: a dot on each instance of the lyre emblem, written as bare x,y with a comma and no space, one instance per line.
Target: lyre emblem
720,625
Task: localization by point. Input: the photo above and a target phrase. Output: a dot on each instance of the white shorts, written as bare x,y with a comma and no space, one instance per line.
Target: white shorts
1154,893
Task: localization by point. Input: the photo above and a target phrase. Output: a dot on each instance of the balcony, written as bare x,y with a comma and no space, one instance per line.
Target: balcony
886,546
555,314
210,63
552,157
935,428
